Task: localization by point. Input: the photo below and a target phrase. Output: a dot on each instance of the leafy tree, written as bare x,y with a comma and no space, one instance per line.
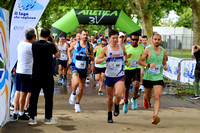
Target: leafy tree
185,19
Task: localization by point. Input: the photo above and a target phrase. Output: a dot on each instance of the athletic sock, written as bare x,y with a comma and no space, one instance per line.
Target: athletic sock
77,102
99,89
116,108
16,111
109,115
126,102
74,93
21,113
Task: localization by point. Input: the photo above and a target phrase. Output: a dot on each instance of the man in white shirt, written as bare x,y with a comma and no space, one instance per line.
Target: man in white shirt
23,74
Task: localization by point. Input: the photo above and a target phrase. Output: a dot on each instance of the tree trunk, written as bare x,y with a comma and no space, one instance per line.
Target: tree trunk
196,22
147,27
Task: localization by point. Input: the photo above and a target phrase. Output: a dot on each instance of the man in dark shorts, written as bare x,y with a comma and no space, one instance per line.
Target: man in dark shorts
154,59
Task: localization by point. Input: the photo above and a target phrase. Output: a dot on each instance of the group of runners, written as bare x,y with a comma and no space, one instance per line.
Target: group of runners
118,65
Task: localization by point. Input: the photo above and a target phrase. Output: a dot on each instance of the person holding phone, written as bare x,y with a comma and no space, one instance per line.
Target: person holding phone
197,71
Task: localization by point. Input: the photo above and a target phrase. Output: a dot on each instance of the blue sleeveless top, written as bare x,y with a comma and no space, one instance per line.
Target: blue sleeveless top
80,59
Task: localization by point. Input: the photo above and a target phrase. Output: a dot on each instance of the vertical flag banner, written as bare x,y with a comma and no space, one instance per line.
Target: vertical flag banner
4,67
26,14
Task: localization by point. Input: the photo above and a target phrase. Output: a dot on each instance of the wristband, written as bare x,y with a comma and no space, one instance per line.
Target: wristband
148,65
126,61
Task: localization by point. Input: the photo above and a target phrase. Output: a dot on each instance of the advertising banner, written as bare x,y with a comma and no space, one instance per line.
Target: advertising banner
173,67
4,67
187,71
26,14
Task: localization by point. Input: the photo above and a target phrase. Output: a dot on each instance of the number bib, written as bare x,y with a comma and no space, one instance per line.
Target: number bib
63,56
80,64
115,66
155,70
134,63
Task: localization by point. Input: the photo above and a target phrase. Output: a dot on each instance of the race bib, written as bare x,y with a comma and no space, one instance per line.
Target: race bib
155,70
115,66
63,56
134,63
80,64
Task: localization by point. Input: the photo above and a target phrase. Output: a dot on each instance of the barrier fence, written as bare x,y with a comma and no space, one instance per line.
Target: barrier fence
181,70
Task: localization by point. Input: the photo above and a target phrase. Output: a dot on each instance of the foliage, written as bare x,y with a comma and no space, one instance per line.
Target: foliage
186,19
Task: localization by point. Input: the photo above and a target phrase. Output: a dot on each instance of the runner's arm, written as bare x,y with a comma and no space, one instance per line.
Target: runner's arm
143,58
165,61
69,52
58,51
101,58
91,56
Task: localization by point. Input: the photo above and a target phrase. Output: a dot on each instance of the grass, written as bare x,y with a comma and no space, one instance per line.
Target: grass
177,53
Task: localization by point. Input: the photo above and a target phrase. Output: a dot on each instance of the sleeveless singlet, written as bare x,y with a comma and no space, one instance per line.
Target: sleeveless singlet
114,63
154,74
101,65
80,59
63,56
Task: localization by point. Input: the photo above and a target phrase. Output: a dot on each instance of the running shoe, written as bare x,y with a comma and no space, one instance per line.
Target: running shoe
23,117
145,104
77,108
125,108
12,107
122,101
32,122
142,88
100,93
87,80
60,81
155,120
15,116
195,98
72,98
134,104
50,121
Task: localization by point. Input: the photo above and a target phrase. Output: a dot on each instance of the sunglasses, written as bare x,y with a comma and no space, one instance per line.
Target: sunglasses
135,39
105,44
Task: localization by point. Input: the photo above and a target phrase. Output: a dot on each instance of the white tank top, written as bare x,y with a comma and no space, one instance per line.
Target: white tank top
63,48
114,63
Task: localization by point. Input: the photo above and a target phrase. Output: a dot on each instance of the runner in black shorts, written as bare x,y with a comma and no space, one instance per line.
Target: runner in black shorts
100,68
132,73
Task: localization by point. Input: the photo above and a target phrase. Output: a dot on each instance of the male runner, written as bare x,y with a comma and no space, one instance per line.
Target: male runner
113,54
63,47
153,58
132,73
100,68
82,52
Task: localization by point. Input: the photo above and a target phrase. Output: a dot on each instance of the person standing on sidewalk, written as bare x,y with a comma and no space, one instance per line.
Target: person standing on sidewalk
42,76
154,60
23,74
197,71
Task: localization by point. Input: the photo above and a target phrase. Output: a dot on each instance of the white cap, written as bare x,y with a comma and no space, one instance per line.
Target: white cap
121,34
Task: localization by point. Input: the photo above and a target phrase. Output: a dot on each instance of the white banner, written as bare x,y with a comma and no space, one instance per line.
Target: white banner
187,71
172,71
26,14
4,67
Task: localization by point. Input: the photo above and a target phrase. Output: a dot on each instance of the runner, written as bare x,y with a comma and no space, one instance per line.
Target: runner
132,73
63,47
145,41
113,54
153,58
100,68
82,52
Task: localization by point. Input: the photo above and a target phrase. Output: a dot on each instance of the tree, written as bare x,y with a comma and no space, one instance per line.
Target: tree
185,19
195,6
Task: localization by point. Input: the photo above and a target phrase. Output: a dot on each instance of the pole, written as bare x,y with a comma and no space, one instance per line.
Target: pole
182,48
170,48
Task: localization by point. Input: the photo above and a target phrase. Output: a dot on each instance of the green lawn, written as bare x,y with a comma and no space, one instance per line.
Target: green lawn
177,53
